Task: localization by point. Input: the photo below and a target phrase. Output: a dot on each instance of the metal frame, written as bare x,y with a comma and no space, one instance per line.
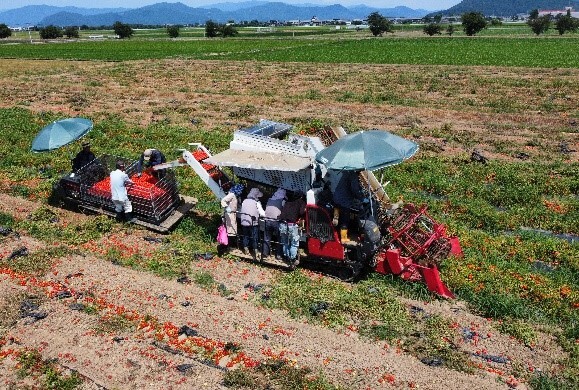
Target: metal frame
152,204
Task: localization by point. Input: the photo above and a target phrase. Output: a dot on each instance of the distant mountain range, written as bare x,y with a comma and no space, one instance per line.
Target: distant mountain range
179,13
262,11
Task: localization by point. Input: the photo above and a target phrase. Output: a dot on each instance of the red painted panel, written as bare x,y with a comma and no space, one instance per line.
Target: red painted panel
329,249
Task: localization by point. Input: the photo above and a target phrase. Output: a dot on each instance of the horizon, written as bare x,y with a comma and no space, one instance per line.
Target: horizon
414,4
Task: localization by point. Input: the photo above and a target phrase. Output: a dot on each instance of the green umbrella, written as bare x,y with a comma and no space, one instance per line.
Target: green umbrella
60,133
366,150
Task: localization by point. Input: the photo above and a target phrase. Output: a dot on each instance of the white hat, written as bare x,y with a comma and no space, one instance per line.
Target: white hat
147,154
255,193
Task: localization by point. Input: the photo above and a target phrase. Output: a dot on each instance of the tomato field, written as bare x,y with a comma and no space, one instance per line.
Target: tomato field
510,100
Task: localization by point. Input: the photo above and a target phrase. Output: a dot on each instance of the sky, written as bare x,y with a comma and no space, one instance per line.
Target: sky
415,4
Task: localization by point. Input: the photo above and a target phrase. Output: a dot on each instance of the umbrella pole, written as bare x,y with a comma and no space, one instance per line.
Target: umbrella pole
370,195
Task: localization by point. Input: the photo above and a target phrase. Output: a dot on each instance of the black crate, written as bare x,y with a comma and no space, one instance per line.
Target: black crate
152,204
269,129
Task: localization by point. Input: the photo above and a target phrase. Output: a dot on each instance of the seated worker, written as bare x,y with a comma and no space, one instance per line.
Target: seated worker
272,211
83,157
150,158
348,193
292,211
324,199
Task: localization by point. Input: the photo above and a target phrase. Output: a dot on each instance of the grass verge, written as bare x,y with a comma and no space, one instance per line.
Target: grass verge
276,375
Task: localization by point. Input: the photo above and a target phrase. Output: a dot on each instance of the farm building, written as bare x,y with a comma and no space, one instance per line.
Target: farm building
554,13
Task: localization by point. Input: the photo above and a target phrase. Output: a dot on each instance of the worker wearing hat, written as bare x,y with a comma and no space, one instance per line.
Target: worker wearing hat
251,211
150,158
119,181
83,157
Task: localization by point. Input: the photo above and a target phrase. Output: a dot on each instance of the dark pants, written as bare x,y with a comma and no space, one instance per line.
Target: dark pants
344,218
271,231
250,236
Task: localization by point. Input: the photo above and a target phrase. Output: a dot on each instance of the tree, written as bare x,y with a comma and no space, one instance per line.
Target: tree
450,29
432,28
378,24
534,14
50,32
540,24
5,31
211,29
123,30
473,22
228,30
566,23
173,31
71,32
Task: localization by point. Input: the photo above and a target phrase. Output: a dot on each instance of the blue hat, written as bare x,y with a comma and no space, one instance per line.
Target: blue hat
237,189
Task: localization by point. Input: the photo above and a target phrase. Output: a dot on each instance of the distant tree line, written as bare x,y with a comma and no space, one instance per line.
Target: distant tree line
214,29
472,23
5,31
53,32
542,24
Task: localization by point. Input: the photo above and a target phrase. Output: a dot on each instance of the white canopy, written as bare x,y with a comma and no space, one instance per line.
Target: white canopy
259,160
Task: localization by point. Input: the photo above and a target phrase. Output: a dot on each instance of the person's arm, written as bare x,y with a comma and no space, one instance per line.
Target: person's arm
140,164
302,208
127,180
227,199
260,209
355,187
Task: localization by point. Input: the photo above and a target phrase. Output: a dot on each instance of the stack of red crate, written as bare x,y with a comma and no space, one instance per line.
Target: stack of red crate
144,188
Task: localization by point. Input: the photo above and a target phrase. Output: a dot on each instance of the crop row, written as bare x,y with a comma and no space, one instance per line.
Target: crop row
502,212
488,51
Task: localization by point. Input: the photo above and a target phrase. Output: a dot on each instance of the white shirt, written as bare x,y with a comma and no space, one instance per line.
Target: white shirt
118,181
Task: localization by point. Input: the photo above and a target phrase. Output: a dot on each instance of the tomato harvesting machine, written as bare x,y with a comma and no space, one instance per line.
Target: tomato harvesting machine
388,238
384,236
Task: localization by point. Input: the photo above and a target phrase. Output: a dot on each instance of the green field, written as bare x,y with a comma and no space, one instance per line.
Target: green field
324,46
507,212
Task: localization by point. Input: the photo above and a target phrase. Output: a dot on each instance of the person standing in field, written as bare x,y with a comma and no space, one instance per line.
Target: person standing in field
119,182
272,211
149,158
293,210
251,210
230,204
